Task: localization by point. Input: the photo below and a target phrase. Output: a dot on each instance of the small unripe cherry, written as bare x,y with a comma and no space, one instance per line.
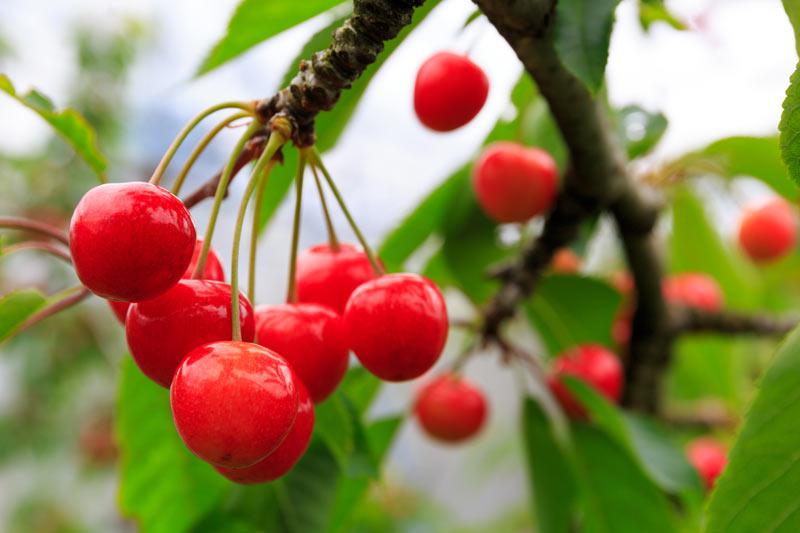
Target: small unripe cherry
233,402
768,232
161,331
130,241
397,325
565,261
213,271
450,408
693,289
514,183
594,364
279,462
311,338
709,458
449,91
327,277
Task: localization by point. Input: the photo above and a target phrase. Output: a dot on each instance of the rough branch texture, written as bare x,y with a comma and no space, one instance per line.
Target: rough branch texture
686,320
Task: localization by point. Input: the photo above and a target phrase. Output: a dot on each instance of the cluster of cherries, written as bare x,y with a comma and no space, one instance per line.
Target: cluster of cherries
247,406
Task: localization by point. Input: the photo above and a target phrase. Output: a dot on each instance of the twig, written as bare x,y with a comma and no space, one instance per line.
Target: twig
79,294
34,226
688,320
43,246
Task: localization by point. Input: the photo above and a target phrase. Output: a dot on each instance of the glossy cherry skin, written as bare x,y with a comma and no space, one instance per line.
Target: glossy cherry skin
449,91
212,271
130,241
514,183
769,232
279,462
193,312
708,457
311,338
595,365
696,290
450,408
233,402
328,277
397,325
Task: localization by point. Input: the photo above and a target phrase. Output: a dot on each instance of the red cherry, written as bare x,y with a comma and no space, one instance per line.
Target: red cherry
311,338
565,261
279,462
328,277
514,183
449,91
694,290
709,458
450,408
233,402
163,330
397,325
769,232
130,241
212,271
595,365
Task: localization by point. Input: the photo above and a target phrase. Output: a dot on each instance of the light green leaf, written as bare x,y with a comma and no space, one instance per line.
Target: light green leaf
792,8
639,129
583,34
255,21
758,490
571,310
16,307
790,128
334,426
67,123
163,487
652,11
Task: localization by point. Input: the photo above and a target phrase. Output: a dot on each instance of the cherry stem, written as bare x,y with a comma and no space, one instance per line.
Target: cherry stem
200,148
34,226
317,161
64,300
333,241
291,291
259,204
220,194
176,143
47,247
276,140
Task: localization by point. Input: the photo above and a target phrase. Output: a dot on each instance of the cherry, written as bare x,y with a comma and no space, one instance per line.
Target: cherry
696,290
326,276
449,91
130,241
163,330
514,183
311,338
708,457
769,232
286,455
565,261
450,408
233,402
212,271
592,363
397,325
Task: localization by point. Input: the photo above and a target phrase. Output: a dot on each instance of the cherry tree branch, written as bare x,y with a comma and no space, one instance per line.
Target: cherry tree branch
688,321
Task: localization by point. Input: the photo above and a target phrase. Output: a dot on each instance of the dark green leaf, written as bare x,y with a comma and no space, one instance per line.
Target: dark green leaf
583,33
640,129
790,128
601,411
16,307
475,15
758,490
67,123
360,387
553,487
334,425
255,21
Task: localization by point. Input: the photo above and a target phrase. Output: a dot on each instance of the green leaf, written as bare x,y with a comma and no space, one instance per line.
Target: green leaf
758,490
335,427
583,34
553,487
16,307
67,123
639,129
790,127
601,411
652,11
618,496
255,21
163,487
571,310
792,8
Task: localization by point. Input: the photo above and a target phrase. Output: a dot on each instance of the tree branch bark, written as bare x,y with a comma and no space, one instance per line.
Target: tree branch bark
687,320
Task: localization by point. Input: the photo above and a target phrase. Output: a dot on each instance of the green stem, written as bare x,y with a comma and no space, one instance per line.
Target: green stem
291,292
200,148
333,240
317,161
220,195
262,185
170,153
